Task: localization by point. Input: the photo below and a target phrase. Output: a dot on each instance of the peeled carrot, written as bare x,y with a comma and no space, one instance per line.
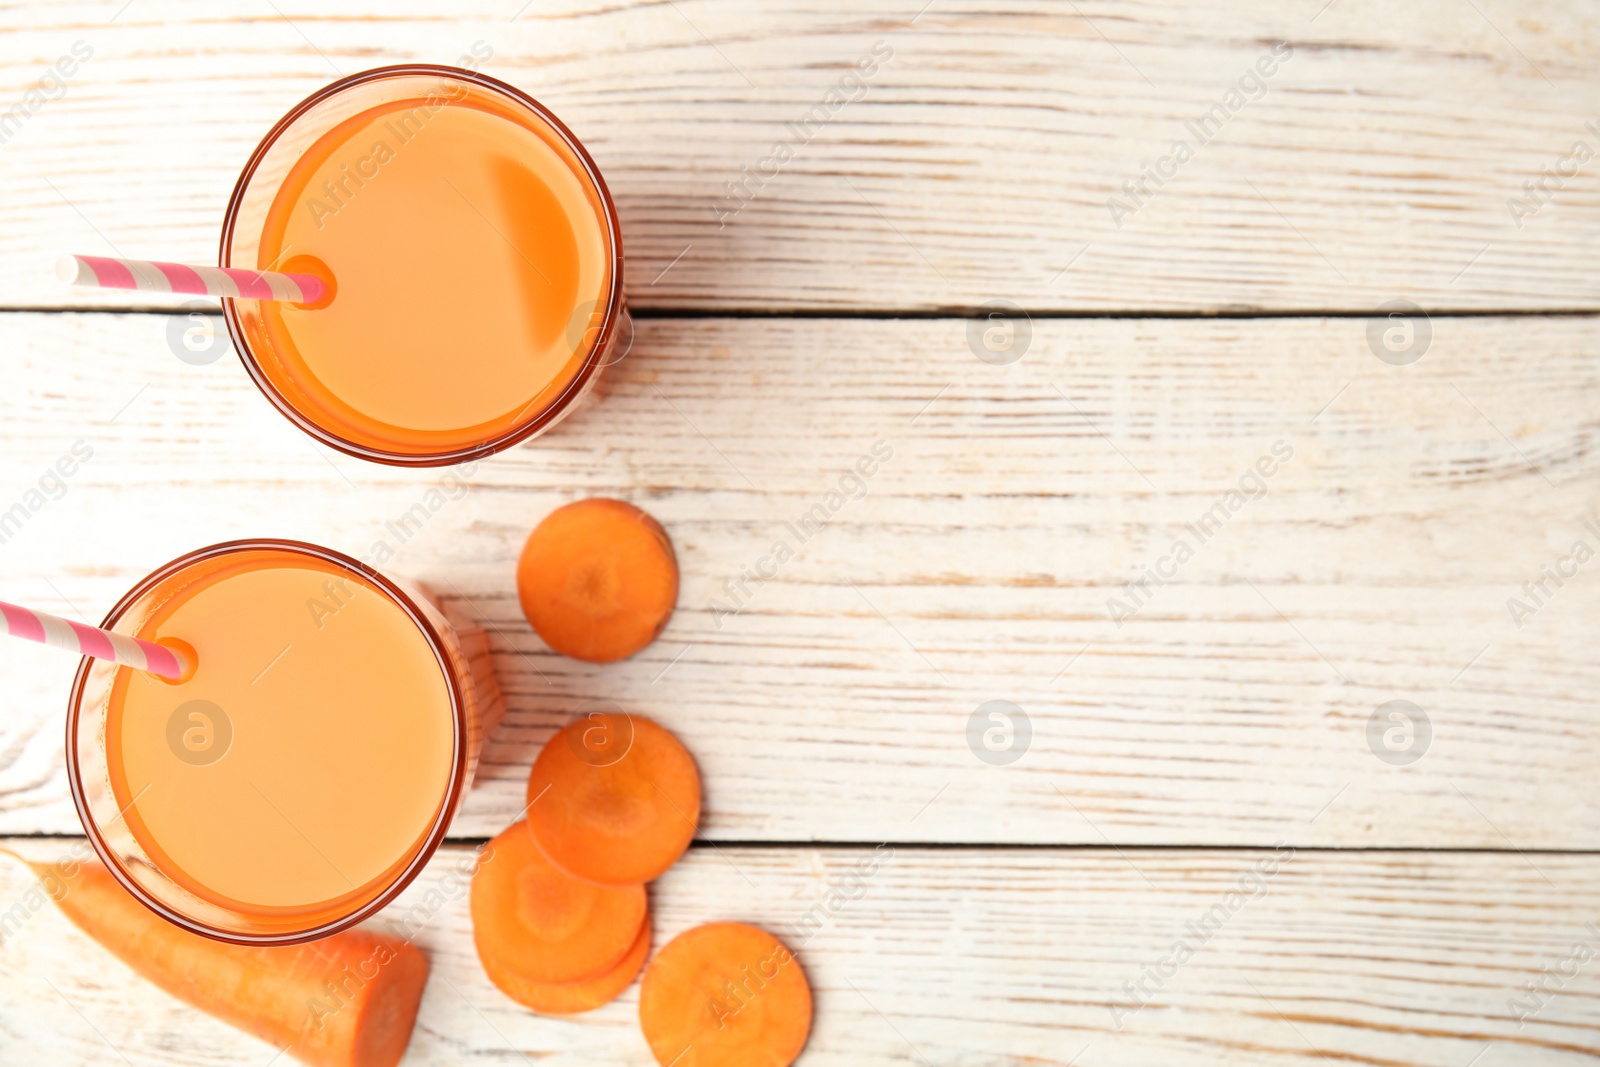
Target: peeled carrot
725,995
349,1000
618,799
541,924
598,580
579,996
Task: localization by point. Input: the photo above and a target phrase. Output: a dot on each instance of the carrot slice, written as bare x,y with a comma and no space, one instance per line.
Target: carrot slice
349,1000
614,799
542,924
574,998
598,580
725,995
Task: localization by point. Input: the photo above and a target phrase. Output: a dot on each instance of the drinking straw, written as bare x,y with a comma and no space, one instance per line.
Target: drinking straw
108,273
91,641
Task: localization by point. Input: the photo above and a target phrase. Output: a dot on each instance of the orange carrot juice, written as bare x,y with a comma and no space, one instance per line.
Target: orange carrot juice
473,253
307,761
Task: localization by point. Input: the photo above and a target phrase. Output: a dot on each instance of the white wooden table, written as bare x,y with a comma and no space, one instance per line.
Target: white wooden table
1215,738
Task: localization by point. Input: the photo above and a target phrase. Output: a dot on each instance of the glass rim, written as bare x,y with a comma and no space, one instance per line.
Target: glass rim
458,764
552,411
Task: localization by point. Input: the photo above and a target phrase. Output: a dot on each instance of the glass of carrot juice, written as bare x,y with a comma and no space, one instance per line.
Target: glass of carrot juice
308,766
475,260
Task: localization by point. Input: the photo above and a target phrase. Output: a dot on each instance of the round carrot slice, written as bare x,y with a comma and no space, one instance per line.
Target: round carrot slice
579,996
725,995
613,799
598,580
544,925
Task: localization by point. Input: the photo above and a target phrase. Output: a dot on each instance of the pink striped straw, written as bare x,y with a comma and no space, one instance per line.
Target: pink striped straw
108,273
91,641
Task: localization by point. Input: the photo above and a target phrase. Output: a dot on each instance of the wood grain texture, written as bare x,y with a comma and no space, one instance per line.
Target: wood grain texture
954,958
1377,161
976,565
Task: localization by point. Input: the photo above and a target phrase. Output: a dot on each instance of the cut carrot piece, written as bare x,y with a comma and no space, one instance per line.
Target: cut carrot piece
574,998
614,799
349,1000
598,580
542,924
725,995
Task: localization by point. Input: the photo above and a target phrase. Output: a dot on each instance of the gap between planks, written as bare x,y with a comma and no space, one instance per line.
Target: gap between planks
1024,846
932,314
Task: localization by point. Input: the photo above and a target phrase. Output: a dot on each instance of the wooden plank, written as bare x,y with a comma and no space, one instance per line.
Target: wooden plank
1233,708
952,957
1379,159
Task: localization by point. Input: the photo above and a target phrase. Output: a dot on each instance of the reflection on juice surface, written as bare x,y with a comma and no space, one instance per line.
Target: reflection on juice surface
305,762
468,247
